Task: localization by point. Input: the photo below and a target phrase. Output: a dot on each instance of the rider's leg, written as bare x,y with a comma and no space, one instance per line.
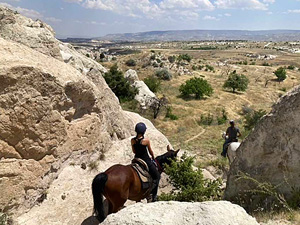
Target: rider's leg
225,145
156,177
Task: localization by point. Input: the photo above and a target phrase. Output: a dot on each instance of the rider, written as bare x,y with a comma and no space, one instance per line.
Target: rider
233,133
140,147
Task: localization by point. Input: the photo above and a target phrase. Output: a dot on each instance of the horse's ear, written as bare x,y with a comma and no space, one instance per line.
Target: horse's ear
176,152
168,148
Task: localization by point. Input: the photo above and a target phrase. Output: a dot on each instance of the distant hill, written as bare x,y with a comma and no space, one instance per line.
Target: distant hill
200,35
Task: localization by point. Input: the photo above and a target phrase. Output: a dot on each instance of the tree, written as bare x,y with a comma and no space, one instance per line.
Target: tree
102,55
130,62
185,57
163,74
119,85
251,119
280,73
153,83
172,59
236,82
196,86
189,184
157,105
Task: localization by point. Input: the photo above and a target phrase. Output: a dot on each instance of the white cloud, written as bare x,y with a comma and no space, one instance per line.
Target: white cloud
183,9
269,1
25,12
269,13
227,14
53,20
294,11
210,18
241,4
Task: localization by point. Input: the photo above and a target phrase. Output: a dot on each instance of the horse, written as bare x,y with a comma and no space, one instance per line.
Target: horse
121,182
231,151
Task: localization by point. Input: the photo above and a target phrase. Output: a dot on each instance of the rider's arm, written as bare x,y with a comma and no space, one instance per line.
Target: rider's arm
239,133
132,143
150,149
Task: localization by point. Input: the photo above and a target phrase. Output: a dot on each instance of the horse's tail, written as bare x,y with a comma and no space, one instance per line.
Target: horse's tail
98,188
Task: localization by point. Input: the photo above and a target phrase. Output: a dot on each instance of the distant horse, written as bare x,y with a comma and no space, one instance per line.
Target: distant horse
119,183
232,147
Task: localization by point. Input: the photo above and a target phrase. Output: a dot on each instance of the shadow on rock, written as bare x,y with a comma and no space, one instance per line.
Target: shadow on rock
92,220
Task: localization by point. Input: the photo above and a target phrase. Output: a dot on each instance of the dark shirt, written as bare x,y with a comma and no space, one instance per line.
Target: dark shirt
141,151
232,133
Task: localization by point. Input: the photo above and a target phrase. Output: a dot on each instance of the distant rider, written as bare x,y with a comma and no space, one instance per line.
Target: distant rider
140,147
232,133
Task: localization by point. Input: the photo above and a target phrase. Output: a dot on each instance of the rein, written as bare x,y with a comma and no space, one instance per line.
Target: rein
160,169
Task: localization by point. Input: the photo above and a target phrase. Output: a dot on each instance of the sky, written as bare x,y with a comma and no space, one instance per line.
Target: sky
96,18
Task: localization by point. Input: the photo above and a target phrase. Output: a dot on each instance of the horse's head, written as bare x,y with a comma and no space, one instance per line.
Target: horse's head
167,157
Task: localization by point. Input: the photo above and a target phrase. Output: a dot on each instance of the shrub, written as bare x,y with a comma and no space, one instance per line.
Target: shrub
170,115
119,85
87,55
155,64
206,120
152,51
194,67
152,57
190,185
185,57
158,60
114,58
102,55
223,118
3,219
196,86
153,83
172,59
236,82
209,68
266,64
251,119
291,67
163,74
280,73
130,62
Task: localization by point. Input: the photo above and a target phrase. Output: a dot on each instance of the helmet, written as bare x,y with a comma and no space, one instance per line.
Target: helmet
231,121
140,128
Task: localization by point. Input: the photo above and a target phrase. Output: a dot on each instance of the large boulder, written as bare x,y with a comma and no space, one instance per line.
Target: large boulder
271,153
182,213
145,97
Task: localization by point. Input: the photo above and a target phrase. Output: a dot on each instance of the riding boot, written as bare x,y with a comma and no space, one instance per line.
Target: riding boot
154,190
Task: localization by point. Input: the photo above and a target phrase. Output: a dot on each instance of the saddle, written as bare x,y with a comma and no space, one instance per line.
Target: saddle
141,168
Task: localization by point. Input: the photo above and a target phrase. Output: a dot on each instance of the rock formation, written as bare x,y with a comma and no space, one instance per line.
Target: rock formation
271,153
145,96
52,115
182,213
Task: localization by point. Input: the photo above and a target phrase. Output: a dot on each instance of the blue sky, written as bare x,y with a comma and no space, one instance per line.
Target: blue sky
94,18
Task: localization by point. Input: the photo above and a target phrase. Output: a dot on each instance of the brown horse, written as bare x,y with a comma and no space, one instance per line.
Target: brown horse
119,183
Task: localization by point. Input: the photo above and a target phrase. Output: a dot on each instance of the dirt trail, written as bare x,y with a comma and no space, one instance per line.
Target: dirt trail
198,135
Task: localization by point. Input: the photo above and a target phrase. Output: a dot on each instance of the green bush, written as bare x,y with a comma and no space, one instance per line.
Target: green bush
280,73
170,115
206,119
251,119
236,82
185,57
158,60
190,185
130,62
172,59
223,119
153,83
163,74
152,57
119,85
291,67
266,64
209,68
197,87
102,55
194,67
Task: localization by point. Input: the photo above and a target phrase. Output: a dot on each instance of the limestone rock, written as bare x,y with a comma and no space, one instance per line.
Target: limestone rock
48,112
182,213
131,76
34,34
271,153
74,183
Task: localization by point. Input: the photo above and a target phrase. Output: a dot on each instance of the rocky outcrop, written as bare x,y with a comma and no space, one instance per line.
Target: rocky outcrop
145,96
271,153
69,197
48,111
182,213
34,34
41,37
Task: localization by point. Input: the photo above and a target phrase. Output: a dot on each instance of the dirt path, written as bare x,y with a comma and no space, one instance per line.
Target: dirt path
198,135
